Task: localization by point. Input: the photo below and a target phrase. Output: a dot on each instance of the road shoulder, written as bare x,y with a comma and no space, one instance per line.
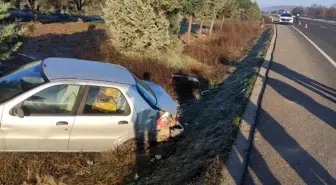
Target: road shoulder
238,159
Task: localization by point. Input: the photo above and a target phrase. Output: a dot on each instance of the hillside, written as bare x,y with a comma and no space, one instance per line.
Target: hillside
274,8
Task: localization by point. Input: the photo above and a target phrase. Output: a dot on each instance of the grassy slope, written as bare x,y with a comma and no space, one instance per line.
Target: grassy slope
195,157
201,155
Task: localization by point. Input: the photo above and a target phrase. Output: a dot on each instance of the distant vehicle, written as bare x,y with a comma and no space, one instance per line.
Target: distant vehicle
70,105
286,18
275,18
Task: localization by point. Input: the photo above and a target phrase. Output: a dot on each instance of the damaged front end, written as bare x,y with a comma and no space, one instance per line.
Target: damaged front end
168,126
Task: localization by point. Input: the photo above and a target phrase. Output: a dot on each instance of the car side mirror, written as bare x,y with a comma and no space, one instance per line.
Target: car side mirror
17,111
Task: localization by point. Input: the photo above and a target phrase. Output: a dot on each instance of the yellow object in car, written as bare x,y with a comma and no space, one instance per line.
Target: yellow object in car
106,100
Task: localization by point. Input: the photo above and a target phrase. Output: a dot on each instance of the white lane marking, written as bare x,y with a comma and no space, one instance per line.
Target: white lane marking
319,49
323,27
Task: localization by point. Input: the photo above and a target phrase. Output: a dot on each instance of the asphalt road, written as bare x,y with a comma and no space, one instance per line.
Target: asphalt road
322,34
295,137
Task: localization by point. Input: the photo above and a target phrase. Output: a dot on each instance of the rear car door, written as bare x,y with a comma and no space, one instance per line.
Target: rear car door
49,115
104,120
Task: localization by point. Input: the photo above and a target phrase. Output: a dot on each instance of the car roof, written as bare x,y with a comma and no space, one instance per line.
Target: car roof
67,68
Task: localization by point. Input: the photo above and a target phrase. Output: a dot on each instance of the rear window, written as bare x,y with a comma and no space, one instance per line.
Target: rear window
145,92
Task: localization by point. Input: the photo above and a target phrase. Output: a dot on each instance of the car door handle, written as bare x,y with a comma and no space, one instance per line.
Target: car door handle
60,123
122,122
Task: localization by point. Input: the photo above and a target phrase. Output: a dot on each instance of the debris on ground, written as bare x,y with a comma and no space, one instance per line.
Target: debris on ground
158,157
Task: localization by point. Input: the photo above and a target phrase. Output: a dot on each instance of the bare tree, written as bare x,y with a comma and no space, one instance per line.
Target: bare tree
17,3
79,4
56,4
34,5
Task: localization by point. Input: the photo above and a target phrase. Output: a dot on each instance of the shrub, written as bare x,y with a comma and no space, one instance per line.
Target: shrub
253,11
8,34
137,27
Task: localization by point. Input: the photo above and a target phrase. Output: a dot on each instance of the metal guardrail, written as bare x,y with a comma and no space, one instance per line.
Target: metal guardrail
319,20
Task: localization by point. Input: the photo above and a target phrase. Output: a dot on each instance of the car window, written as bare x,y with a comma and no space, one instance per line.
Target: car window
55,100
286,15
106,100
145,92
21,80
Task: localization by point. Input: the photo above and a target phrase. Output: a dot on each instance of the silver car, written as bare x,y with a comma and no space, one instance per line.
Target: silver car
70,105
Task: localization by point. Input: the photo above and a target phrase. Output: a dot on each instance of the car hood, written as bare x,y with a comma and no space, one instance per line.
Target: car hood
165,102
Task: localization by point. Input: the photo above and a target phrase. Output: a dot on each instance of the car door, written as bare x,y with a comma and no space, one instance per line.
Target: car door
49,114
104,120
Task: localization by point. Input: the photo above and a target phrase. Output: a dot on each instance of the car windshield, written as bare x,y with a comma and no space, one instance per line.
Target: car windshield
286,15
145,92
21,80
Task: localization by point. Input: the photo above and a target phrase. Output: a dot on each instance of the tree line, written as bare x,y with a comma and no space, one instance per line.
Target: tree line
144,26
55,5
317,11
314,11
150,26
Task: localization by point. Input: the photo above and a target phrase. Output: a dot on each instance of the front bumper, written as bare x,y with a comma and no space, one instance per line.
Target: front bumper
288,21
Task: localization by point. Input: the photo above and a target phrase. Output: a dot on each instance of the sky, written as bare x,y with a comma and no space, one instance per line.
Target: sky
267,3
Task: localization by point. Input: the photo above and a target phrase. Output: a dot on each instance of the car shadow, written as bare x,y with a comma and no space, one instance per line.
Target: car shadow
145,134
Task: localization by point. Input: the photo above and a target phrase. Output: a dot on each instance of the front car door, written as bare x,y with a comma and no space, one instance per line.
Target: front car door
104,120
49,114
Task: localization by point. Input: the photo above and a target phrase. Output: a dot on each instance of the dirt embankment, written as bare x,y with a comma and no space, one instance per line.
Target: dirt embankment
211,121
208,59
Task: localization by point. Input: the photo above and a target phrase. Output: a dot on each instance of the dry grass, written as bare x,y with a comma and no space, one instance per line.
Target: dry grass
38,29
53,168
210,58
119,166
227,45
225,48
197,158
79,168
207,58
